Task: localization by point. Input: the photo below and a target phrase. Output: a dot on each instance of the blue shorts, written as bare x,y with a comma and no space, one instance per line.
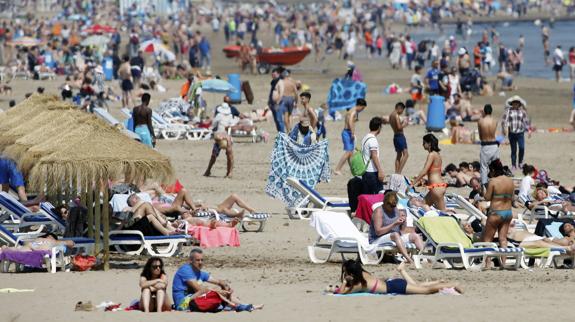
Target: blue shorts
348,141
399,142
144,133
9,173
286,104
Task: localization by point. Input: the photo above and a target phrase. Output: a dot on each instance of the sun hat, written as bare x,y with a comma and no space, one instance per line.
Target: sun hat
461,51
516,98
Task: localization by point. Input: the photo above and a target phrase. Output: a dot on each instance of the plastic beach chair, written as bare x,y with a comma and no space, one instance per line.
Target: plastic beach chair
313,201
449,244
338,235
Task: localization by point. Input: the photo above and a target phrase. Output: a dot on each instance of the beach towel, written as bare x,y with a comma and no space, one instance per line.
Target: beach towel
220,236
309,163
343,94
33,258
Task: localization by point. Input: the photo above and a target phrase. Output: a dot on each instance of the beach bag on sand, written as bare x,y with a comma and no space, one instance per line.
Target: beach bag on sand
356,162
209,302
83,263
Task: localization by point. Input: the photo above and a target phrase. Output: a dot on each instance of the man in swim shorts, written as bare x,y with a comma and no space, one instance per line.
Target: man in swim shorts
348,133
489,151
399,141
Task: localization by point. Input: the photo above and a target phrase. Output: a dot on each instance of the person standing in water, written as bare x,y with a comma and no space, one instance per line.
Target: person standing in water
348,133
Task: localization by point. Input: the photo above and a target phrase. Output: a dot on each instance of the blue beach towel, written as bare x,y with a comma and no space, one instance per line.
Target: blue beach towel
309,163
343,94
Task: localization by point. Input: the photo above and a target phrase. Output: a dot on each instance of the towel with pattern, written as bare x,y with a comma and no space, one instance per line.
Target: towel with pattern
309,163
343,94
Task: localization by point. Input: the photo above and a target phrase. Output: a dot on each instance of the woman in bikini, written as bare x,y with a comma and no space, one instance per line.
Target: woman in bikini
432,168
500,192
356,280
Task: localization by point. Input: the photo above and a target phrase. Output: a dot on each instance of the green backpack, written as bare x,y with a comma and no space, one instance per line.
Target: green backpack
356,163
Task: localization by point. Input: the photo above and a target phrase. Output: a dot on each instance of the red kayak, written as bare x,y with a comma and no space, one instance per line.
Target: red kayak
272,56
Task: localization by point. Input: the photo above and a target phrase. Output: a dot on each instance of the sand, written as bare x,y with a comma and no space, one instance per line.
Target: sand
272,267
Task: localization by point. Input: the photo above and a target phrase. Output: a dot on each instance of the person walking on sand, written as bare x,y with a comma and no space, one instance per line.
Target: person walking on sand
125,74
399,141
515,123
142,115
372,179
489,151
223,141
287,93
348,133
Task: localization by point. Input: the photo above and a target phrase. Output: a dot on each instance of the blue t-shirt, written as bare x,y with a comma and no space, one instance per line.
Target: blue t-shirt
185,273
433,78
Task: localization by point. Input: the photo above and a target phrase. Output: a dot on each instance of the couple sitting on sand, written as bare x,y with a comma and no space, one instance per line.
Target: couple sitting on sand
152,220
190,291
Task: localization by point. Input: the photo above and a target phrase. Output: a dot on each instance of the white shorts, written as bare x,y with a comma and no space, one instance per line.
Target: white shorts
387,238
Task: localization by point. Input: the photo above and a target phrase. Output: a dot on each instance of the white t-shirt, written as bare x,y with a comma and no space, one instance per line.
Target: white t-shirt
368,144
525,190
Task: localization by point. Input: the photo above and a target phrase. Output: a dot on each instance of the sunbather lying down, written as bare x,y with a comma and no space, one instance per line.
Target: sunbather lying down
356,280
184,203
44,242
152,222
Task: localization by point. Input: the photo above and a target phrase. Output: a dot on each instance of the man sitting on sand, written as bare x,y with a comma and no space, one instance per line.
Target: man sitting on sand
190,284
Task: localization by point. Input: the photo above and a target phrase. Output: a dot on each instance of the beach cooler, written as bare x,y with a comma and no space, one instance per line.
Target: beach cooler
235,97
436,113
108,67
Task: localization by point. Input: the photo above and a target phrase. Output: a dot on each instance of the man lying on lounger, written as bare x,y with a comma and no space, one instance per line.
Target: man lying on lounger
44,242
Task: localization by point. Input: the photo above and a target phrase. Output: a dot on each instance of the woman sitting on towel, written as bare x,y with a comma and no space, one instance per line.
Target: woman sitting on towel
356,280
154,286
432,169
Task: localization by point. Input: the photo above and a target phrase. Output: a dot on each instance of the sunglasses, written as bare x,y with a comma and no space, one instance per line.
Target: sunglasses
156,266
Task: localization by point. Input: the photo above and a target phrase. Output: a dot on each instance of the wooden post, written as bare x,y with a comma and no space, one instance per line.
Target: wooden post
97,217
90,206
106,229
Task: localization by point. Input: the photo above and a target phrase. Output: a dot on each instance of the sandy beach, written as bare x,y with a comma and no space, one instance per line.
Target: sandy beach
272,267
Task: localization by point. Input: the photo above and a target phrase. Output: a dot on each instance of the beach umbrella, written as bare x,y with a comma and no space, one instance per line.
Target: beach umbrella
77,17
95,40
157,48
26,42
217,86
99,29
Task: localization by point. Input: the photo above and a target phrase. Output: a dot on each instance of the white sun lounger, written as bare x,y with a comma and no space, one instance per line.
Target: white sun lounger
133,242
313,201
338,235
21,217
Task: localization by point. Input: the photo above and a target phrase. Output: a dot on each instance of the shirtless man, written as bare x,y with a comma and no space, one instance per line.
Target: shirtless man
125,75
142,116
489,146
348,133
399,141
308,111
287,93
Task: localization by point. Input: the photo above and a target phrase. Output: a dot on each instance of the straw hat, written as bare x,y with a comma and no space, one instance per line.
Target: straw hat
516,98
